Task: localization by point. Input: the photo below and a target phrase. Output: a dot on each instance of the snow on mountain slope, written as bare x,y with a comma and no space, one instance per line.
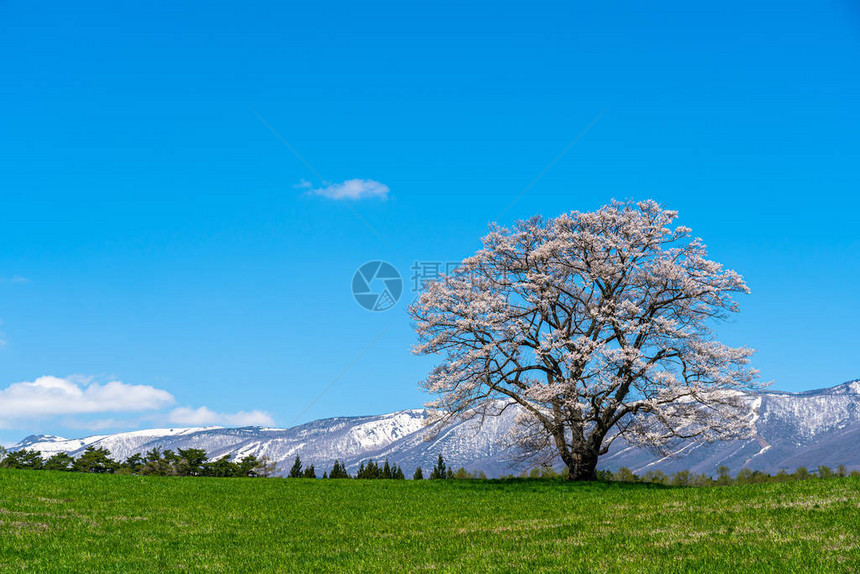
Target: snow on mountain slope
318,442
121,445
808,414
792,429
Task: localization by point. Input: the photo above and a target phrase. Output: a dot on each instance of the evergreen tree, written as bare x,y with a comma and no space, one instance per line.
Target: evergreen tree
370,470
222,467
248,465
170,459
133,464
190,461
439,471
155,463
30,459
325,475
398,474
338,470
386,470
95,460
309,472
296,471
419,474
59,461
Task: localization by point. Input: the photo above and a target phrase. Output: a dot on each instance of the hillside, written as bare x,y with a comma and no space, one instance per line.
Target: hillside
792,429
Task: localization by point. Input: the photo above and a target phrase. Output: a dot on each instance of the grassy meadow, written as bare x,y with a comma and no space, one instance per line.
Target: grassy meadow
55,521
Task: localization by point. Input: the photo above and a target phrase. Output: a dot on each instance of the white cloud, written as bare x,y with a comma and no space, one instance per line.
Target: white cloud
352,189
204,416
50,396
79,402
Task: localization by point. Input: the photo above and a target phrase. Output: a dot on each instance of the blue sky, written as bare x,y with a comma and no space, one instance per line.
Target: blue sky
157,235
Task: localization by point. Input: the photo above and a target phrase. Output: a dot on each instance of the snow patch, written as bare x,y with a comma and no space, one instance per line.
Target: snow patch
755,406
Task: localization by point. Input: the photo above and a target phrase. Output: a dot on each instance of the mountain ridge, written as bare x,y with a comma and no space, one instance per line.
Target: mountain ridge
808,428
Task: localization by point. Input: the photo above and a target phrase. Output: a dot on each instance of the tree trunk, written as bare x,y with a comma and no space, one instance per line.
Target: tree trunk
582,466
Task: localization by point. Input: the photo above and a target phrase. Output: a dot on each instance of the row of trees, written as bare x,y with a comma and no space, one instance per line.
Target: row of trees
443,472
369,470
372,470
183,462
194,462
687,478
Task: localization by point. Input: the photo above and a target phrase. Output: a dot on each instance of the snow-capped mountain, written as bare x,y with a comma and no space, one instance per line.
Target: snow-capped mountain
792,429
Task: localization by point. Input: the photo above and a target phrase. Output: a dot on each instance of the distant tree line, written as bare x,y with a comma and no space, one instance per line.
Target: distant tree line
195,462
368,470
183,462
443,472
687,478
372,470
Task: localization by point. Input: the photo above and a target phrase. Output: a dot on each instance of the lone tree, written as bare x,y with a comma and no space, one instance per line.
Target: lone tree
296,470
439,471
596,326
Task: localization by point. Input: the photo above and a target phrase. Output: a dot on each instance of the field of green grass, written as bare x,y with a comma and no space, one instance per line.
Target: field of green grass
53,521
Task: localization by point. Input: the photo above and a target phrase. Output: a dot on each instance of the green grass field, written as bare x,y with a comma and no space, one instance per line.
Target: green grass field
51,521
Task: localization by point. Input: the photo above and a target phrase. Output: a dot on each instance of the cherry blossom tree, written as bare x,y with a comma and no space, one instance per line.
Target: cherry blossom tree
593,326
